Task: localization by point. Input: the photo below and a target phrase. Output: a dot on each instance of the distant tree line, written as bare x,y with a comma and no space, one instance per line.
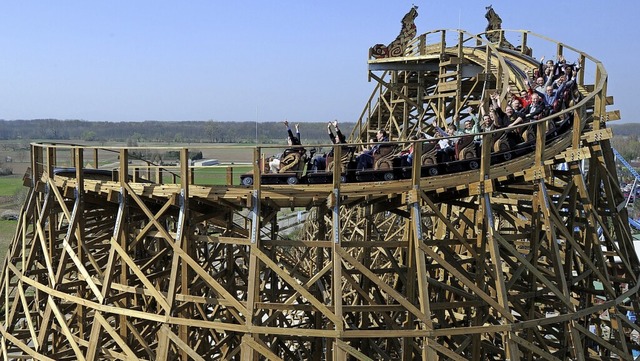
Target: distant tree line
626,136
626,140
161,132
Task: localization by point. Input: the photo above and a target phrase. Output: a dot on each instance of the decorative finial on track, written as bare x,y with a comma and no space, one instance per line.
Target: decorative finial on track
398,46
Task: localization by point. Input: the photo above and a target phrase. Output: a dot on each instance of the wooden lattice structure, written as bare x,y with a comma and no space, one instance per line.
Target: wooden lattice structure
526,259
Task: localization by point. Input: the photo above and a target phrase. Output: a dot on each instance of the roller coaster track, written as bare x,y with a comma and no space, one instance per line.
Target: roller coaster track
519,259
632,194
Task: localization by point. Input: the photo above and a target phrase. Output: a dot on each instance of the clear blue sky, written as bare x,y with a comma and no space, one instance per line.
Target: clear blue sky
266,60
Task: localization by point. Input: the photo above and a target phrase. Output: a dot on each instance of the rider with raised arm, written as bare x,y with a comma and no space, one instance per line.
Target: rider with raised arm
274,164
319,162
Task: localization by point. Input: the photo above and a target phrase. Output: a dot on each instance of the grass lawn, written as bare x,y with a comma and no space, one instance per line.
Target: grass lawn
7,230
217,175
10,185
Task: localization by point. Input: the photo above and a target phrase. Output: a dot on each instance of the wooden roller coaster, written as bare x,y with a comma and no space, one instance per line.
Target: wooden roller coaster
526,256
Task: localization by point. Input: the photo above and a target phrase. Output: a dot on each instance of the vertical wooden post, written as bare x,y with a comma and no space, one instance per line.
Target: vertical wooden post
253,277
318,320
485,156
96,164
523,44
123,176
417,269
51,225
338,353
460,55
559,49
229,175
581,64
183,238
541,132
80,233
135,174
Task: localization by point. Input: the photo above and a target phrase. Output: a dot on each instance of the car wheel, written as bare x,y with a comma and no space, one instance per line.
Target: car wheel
247,181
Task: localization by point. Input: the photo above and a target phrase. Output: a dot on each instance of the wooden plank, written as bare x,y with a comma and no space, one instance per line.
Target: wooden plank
597,135
535,349
151,288
181,344
21,345
27,316
296,286
115,336
62,322
467,282
222,291
383,285
572,155
450,86
612,115
352,351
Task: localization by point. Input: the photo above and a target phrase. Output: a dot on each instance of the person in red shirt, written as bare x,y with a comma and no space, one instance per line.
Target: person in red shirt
519,101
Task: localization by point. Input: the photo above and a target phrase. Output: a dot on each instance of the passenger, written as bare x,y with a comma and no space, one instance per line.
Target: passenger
471,126
561,67
547,70
447,151
508,117
489,120
406,156
489,123
365,159
533,76
541,85
274,164
319,162
559,81
495,119
339,138
553,97
548,74
520,100
571,91
535,110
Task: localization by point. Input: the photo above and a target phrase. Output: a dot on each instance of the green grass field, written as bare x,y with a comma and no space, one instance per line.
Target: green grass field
7,230
10,185
218,175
